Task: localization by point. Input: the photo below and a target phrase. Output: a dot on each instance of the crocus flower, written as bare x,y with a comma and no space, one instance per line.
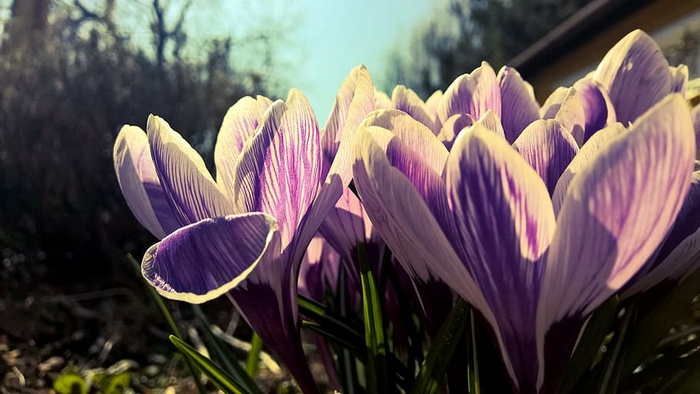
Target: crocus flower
481,219
245,233
636,75
470,96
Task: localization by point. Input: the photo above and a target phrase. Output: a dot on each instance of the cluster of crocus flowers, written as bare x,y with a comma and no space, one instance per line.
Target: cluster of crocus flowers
535,215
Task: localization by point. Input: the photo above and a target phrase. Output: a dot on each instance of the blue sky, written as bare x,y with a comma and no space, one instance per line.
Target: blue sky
338,35
317,42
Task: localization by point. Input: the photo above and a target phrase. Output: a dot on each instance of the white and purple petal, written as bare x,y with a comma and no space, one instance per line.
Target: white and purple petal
636,75
505,222
472,94
189,187
279,172
615,214
140,184
204,260
548,148
240,122
597,107
519,106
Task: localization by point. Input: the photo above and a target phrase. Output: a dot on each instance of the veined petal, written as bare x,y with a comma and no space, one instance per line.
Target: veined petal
519,106
636,75
382,100
355,100
407,100
279,172
615,214
571,115
491,122
678,256
452,127
204,260
238,127
505,221
406,223
553,103
548,148
139,182
680,79
583,158
345,227
413,133
597,107
433,102
472,94
189,187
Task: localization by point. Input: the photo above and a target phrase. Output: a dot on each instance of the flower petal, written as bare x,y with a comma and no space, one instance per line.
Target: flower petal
238,127
452,127
582,159
354,101
680,79
345,227
404,220
139,182
413,133
189,187
505,222
548,148
636,75
553,103
279,172
678,256
472,94
519,106
407,100
597,107
615,214
204,260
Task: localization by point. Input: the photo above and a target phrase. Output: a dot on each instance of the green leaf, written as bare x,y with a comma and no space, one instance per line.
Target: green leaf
70,383
225,358
168,319
374,328
115,384
655,325
598,327
328,321
433,369
218,376
251,364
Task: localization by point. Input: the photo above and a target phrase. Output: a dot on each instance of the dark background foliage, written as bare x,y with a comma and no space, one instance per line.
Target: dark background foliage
67,84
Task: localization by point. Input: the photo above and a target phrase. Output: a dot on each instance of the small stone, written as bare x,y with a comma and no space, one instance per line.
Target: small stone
51,364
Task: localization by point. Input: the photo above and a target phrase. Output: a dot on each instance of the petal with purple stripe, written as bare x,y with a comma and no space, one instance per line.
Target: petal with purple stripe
280,170
189,187
519,107
548,148
204,260
139,182
597,107
636,75
678,256
505,221
238,126
583,158
354,101
452,127
407,100
472,94
615,214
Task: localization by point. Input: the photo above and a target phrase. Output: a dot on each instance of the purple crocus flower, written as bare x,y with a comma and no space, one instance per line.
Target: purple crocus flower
472,95
244,234
480,218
